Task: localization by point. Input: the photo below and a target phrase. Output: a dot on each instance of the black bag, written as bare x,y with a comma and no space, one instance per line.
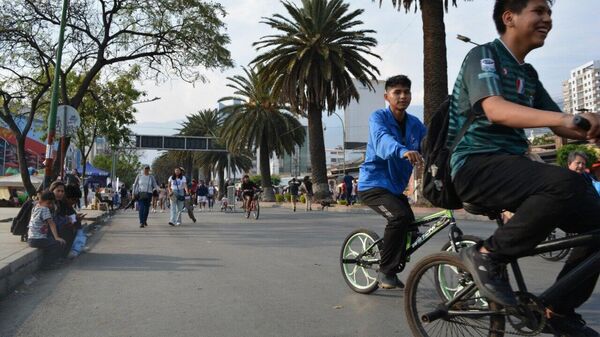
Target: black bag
437,181
21,221
180,197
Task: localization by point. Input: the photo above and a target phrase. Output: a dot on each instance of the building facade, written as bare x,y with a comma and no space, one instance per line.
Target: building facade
581,92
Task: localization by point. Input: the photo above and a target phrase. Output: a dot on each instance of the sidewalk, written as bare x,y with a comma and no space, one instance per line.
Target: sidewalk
17,260
361,209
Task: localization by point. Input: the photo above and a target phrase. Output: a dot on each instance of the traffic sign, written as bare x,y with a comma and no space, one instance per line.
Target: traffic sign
71,116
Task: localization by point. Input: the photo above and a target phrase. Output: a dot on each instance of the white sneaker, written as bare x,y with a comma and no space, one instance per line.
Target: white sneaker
153,210
178,224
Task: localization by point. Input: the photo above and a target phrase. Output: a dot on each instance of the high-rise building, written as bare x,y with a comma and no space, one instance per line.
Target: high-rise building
581,92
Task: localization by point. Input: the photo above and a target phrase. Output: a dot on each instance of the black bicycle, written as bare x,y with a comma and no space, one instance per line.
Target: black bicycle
360,254
560,254
441,295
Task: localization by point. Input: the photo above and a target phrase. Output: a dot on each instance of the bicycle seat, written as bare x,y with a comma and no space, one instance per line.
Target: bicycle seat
493,214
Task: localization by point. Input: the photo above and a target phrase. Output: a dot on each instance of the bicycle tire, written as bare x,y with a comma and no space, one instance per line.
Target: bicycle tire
465,241
256,210
360,279
495,326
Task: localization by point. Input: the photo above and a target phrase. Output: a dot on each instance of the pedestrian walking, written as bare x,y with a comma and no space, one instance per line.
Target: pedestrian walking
162,197
202,192
177,188
294,185
143,187
348,180
188,205
212,191
307,189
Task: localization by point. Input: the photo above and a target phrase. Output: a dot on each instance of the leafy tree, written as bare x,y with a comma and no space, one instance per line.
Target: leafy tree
311,61
544,139
106,111
257,179
128,165
166,37
259,123
435,64
563,153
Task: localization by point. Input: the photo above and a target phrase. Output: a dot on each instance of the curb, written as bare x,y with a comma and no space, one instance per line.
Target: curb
19,266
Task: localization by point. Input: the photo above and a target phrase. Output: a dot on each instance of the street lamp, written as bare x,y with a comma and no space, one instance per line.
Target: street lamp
466,39
343,141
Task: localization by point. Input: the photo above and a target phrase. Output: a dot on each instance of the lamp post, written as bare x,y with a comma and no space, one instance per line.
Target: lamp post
54,99
466,39
343,141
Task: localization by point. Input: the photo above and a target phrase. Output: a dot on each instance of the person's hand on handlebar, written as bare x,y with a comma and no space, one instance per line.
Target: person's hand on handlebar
593,133
414,158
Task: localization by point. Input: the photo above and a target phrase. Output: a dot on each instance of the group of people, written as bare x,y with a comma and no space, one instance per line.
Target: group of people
304,187
54,224
179,194
500,95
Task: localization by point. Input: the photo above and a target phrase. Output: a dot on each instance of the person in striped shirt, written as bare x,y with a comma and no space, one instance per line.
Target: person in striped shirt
490,167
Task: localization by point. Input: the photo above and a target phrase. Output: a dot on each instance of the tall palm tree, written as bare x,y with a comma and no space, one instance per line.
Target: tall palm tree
311,61
260,123
204,123
435,65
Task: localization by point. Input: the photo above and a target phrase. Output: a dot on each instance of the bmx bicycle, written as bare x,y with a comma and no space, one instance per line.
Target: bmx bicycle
559,254
360,253
253,206
441,295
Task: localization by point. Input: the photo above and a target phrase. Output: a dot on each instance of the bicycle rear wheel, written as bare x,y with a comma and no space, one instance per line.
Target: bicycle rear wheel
359,260
469,316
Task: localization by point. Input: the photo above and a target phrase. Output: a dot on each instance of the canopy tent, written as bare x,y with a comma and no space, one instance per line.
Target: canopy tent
15,181
90,170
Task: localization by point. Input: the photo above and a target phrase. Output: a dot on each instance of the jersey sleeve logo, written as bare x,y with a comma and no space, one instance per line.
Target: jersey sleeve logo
488,65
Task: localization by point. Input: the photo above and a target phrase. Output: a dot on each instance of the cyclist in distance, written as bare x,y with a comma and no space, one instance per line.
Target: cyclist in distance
490,167
248,188
392,151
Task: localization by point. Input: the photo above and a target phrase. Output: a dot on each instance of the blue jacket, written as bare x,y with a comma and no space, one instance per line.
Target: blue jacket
384,166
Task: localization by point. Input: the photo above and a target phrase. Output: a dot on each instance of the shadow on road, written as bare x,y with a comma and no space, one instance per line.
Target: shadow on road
143,262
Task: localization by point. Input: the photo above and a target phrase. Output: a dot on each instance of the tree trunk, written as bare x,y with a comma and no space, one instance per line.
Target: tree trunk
435,67
222,187
23,170
265,174
317,153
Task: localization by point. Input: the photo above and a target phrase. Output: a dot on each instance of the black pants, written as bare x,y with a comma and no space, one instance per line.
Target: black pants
543,197
52,249
399,216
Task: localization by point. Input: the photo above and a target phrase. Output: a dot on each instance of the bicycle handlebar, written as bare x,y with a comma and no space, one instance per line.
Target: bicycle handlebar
582,123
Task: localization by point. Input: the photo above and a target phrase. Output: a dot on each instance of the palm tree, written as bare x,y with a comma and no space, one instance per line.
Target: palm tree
260,123
208,123
311,62
435,65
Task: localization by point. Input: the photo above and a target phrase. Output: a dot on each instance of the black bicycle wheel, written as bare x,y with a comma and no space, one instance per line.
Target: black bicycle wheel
256,210
359,266
423,299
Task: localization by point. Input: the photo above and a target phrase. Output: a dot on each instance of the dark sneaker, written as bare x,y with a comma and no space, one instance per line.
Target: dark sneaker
389,281
171,224
489,275
141,225
571,326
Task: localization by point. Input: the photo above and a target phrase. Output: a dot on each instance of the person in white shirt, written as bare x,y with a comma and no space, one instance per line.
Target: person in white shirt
177,189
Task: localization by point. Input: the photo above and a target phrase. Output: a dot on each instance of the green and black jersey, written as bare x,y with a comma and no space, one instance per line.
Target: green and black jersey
481,77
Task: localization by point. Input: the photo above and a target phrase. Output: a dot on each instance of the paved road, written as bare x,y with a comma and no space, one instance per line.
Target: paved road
224,276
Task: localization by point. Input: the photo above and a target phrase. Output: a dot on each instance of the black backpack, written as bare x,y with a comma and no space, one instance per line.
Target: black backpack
437,182
21,221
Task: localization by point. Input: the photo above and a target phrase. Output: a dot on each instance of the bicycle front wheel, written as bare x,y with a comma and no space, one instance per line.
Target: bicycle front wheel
470,315
359,260
256,210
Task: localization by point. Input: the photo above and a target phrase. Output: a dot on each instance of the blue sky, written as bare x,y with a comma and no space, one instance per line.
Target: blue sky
573,41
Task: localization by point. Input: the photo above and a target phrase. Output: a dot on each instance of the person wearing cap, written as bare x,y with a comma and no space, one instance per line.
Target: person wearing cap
142,190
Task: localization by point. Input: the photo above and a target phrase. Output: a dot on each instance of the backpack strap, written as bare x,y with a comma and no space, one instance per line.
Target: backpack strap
471,118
